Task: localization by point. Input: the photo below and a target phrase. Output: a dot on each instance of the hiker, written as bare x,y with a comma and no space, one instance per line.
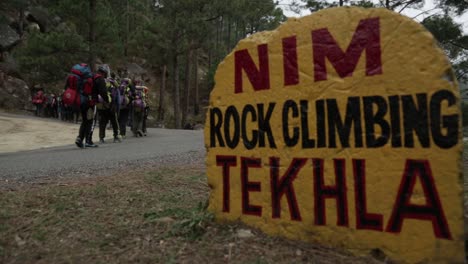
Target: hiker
51,106
130,113
125,99
138,111
39,100
60,110
80,93
108,106
147,109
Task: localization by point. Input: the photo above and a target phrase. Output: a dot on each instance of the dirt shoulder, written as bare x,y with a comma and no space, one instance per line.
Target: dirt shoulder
21,133
152,215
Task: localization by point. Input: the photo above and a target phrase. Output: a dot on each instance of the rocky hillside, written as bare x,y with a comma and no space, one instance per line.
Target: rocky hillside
17,24
14,92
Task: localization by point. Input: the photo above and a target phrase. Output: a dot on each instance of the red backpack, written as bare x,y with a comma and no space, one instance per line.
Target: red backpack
79,82
38,98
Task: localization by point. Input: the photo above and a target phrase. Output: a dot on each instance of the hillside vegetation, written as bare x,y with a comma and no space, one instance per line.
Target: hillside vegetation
174,46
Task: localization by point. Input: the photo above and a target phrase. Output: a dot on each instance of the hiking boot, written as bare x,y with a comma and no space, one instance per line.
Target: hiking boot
91,145
79,142
117,140
101,141
140,133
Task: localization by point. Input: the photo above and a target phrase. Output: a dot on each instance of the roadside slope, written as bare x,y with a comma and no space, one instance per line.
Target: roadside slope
19,133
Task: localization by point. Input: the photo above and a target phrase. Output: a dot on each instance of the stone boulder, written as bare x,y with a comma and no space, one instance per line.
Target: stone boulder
14,93
40,16
134,69
8,37
8,64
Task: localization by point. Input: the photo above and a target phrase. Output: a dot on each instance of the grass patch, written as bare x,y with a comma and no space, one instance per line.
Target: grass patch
153,216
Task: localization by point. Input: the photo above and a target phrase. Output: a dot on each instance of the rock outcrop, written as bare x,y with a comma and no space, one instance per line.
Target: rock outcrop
14,93
8,37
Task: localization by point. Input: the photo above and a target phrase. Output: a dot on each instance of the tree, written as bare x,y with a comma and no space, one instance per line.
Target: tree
451,38
92,34
46,57
448,33
396,5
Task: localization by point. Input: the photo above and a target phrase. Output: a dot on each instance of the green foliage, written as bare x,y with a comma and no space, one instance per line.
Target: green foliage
451,38
194,226
364,3
465,113
109,44
459,6
47,57
397,5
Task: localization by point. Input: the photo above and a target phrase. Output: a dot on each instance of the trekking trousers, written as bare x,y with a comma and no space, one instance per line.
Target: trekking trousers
145,117
123,119
105,116
86,124
137,121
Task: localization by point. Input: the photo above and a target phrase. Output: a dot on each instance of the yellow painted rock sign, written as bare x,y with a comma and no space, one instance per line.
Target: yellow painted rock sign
342,127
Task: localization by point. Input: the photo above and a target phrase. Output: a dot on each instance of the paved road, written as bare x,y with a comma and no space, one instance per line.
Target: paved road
67,160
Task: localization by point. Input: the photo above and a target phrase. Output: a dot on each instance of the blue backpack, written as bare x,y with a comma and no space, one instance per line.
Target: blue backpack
78,83
82,70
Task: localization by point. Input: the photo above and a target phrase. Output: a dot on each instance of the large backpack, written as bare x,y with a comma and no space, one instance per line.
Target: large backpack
114,94
124,90
38,98
139,99
79,84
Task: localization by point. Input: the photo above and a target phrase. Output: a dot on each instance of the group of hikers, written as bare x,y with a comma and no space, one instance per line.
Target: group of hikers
99,97
51,105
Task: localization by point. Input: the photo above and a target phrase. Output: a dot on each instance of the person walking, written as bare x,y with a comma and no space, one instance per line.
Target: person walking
81,78
138,111
147,109
39,101
108,105
125,99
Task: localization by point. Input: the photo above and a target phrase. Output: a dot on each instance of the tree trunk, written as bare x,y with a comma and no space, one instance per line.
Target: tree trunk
236,38
20,22
92,34
127,29
187,85
221,39
161,94
175,86
196,103
217,42
228,35
244,28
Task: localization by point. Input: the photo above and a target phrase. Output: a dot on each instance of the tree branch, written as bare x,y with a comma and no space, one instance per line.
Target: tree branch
212,18
457,45
427,11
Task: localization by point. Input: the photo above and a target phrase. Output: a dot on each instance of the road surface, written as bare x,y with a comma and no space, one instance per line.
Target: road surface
161,145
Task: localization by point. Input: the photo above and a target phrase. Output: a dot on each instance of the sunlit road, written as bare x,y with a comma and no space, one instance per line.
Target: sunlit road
158,144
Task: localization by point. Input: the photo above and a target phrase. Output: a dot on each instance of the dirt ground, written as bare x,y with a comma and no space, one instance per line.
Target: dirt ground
151,215
20,133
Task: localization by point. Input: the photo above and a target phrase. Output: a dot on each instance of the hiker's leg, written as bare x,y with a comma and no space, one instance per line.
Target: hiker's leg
139,121
135,117
145,117
114,123
123,119
84,131
102,123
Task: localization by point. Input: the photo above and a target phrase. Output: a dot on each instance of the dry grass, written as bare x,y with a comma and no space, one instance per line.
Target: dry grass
152,216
